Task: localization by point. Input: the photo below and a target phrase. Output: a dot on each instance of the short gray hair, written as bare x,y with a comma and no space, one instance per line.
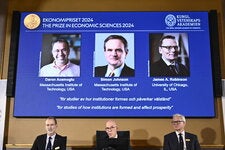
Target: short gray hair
181,116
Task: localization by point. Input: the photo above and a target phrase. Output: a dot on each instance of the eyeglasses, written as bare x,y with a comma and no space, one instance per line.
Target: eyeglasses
110,128
170,47
176,122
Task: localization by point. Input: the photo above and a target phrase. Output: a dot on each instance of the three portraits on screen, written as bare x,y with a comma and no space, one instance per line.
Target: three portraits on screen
114,55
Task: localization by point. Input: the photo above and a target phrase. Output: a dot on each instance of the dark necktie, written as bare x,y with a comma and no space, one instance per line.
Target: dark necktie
173,69
49,146
181,142
112,74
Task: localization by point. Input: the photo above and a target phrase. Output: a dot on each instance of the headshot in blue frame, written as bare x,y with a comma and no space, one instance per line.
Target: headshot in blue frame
173,60
61,65
115,53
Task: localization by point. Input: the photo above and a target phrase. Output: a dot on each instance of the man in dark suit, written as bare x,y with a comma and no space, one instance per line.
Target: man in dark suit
112,139
116,51
168,65
180,139
51,140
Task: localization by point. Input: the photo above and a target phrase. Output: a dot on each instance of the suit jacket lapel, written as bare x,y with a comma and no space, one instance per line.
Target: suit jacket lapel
187,141
43,141
175,141
55,142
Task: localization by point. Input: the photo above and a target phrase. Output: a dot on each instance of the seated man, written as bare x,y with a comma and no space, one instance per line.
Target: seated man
112,139
180,139
111,129
51,140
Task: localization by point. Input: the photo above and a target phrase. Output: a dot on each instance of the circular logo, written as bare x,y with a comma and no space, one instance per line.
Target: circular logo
32,21
170,20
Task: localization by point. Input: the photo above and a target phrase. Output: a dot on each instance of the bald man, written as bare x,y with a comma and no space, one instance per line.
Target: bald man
111,129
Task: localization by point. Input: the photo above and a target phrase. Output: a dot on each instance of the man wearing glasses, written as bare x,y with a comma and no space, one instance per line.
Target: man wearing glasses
168,65
180,139
112,139
111,129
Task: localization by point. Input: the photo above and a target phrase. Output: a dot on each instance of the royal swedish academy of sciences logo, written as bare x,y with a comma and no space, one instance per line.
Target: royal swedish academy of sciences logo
170,20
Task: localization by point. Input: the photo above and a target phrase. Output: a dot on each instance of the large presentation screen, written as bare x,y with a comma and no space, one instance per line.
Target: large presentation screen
114,64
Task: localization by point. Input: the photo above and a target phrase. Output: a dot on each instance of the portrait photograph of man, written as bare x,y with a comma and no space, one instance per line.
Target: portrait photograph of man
60,55
169,54
114,55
